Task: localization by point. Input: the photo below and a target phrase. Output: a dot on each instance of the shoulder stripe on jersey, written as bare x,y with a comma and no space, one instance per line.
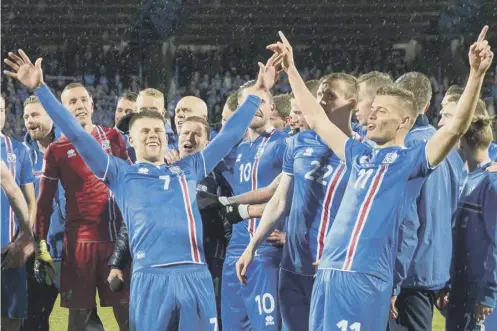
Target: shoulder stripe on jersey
325,213
191,221
363,216
255,172
12,167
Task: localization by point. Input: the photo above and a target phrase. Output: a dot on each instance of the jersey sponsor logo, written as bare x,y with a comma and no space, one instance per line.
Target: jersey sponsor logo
390,158
143,171
105,144
11,157
308,151
71,153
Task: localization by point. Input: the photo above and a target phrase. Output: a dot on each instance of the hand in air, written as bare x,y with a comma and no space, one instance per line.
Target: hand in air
284,51
31,75
480,55
268,75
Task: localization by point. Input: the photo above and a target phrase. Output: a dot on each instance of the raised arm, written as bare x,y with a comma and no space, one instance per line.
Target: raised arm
32,77
238,123
274,213
312,110
480,58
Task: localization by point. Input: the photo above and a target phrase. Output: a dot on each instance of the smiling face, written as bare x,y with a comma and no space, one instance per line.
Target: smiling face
148,138
192,139
37,122
262,116
79,103
189,107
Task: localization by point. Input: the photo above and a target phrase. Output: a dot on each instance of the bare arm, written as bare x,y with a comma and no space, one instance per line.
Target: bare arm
256,210
28,191
16,198
276,209
480,58
260,196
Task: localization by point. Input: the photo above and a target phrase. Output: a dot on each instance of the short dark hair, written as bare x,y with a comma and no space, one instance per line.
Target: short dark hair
374,80
282,105
202,121
145,114
232,101
419,85
479,134
349,81
313,87
130,96
406,97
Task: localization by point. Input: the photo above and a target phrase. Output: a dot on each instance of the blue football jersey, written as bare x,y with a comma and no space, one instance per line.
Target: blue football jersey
257,164
363,237
16,157
55,236
474,268
492,152
319,182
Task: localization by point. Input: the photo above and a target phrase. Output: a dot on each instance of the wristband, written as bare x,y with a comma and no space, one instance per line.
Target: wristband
243,211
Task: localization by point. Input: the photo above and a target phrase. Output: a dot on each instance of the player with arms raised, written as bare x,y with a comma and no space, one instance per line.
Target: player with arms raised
171,285
354,281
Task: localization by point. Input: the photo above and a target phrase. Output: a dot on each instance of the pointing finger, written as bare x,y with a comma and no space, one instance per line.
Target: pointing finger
483,33
284,40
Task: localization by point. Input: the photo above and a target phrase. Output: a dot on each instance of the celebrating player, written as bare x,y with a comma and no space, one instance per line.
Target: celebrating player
259,161
14,297
423,257
280,116
473,274
126,104
310,191
169,291
354,281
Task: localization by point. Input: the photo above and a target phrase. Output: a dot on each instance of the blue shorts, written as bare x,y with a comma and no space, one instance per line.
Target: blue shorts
460,317
350,301
256,305
179,297
295,300
14,293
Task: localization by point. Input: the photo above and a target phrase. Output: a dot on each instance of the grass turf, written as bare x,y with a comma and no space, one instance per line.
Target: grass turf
58,319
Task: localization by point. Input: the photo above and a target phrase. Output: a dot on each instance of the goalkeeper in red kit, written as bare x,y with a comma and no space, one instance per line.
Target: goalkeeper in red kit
93,219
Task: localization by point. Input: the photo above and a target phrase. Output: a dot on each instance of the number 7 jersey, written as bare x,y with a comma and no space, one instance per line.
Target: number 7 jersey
257,164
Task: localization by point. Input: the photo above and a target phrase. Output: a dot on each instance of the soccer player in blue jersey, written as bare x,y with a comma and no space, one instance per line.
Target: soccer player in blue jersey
353,285
369,84
310,192
171,287
280,116
423,257
259,161
473,293
14,230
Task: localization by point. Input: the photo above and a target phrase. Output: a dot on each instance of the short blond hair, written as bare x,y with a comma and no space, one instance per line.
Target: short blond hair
404,96
151,92
350,82
31,100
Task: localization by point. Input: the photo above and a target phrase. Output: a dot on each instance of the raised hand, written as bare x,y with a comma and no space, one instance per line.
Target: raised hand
268,75
480,55
284,51
31,75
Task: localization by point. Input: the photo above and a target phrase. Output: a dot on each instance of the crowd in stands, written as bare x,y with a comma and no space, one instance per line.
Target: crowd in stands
210,75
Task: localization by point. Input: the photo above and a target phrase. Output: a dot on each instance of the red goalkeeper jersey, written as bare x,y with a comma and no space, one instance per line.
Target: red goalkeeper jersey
91,212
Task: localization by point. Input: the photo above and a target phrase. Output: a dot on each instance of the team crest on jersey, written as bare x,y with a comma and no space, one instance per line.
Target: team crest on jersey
308,151
390,158
71,153
239,158
175,170
363,159
105,144
143,171
11,157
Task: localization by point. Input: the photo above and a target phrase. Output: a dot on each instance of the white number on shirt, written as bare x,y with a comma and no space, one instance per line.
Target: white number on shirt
265,304
343,324
326,171
167,181
245,172
213,320
363,178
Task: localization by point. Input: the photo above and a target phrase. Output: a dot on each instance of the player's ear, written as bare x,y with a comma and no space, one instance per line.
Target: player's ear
288,120
131,140
353,103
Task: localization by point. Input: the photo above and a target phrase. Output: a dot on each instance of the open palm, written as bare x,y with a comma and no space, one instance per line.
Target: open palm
31,75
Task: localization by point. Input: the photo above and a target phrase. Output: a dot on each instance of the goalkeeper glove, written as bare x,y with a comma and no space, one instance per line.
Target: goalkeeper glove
236,212
44,267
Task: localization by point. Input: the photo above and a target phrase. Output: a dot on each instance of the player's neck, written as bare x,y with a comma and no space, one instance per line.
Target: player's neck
253,134
477,157
155,163
342,121
88,127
